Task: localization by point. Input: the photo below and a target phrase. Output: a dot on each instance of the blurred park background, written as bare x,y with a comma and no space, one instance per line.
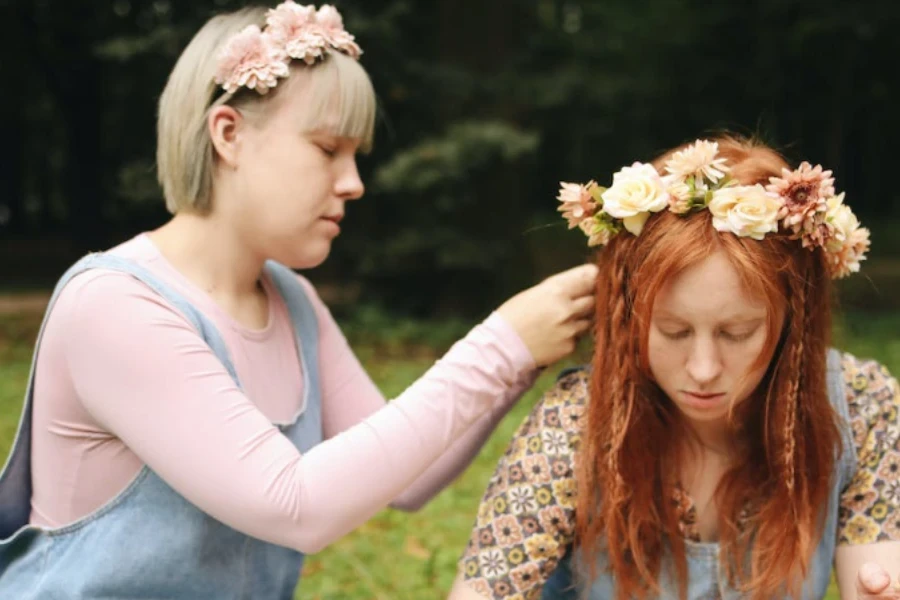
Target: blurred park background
485,105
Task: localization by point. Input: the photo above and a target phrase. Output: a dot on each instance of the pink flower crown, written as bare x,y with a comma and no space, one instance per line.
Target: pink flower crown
801,202
255,58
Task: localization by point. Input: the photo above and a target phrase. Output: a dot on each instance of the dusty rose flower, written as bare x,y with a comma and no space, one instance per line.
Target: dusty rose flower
816,231
577,202
853,251
700,161
329,17
287,19
307,34
805,191
598,230
294,26
332,24
251,59
256,58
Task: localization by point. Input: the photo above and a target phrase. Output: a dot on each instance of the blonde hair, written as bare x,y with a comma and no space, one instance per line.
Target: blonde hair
340,100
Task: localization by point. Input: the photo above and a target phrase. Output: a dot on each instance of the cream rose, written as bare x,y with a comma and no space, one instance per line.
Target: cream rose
848,242
636,192
745,210
842,219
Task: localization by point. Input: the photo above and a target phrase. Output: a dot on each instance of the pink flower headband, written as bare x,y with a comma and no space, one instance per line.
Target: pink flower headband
255,58
802,202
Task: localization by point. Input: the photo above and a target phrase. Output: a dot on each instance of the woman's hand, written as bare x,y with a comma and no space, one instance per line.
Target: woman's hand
550,316
874,583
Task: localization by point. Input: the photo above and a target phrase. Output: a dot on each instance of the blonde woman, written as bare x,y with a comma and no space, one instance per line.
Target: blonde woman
195,421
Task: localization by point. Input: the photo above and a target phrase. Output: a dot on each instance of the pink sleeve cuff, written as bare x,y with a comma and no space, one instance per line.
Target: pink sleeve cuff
519,354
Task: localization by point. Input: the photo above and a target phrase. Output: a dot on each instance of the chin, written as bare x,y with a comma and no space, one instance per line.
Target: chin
704,415
304,258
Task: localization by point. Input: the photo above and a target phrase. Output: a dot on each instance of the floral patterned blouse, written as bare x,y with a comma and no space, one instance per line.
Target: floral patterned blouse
525,522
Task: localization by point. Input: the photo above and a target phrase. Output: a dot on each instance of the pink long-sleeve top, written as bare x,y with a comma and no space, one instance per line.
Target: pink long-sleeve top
123,380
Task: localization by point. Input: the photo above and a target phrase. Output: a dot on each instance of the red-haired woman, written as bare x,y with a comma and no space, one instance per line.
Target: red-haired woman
720,448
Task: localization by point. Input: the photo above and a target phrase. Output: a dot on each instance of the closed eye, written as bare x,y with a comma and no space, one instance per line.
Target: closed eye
738,337
676,335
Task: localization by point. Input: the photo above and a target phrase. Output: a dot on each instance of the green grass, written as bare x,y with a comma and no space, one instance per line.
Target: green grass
398,555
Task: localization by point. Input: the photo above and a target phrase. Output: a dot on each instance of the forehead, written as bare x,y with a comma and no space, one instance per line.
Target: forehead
334,98
710,290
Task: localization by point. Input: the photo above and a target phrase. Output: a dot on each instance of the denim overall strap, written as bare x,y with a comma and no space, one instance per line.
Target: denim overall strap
15,479
149,541
306,331
837,395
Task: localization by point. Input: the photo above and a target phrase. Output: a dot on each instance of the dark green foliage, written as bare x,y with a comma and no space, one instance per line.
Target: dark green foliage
484,107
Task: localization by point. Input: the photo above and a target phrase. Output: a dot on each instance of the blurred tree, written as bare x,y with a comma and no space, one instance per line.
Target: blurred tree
484,107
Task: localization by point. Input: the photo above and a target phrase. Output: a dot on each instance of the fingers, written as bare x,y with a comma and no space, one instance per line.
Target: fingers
871,579
583,308
581,326
577,281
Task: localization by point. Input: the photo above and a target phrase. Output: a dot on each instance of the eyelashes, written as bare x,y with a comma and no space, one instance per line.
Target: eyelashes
729,336
677,335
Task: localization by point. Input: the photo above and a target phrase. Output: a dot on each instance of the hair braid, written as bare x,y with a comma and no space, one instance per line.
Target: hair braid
795,382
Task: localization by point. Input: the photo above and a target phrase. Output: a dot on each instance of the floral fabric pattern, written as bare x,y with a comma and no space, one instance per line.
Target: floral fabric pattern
870,506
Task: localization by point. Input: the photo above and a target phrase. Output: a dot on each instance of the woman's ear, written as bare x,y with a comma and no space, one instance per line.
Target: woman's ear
224,123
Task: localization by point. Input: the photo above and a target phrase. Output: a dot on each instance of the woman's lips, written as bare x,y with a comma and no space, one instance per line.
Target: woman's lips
704,396
701,401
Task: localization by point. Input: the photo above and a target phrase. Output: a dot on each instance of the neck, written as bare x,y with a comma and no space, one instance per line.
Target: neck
712,438
210,254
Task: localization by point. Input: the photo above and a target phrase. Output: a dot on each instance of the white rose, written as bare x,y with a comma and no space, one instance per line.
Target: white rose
636,191
745,210
842,219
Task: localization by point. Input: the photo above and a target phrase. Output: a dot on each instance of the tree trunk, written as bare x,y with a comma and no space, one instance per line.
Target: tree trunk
482,37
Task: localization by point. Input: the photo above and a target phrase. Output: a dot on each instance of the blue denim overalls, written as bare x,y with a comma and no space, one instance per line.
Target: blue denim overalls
149,542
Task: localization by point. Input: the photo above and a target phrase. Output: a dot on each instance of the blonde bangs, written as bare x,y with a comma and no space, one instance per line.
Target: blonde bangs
340,99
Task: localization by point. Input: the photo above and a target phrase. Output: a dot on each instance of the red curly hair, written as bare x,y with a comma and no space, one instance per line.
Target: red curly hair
789,430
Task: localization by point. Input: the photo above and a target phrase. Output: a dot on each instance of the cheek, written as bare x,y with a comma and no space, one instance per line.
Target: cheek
743,366
662,356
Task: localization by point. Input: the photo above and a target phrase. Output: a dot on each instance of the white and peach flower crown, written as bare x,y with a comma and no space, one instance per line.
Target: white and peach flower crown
256,58
802,203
